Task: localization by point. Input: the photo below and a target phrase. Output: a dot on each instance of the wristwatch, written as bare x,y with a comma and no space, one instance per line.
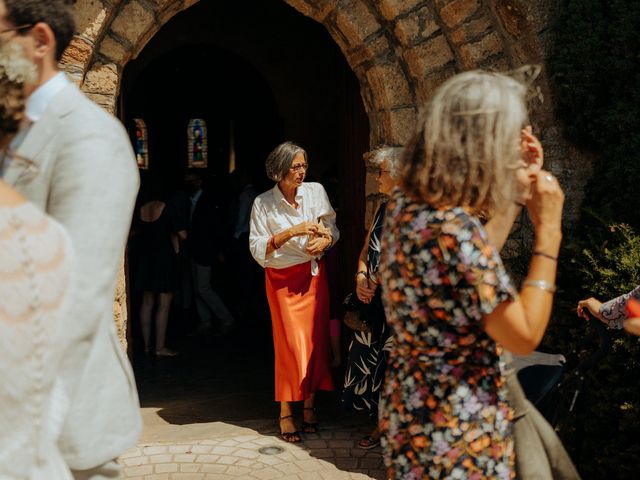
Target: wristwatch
361,272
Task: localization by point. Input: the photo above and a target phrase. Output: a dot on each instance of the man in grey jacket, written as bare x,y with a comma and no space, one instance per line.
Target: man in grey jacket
74,160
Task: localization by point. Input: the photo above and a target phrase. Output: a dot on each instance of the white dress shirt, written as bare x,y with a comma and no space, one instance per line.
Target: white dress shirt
271,214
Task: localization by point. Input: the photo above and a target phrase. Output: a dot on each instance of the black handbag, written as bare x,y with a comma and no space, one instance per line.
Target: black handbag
355,313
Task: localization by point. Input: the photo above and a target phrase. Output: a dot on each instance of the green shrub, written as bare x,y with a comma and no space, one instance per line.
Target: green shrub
595,71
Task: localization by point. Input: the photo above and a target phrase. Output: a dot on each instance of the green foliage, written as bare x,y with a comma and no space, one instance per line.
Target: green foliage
602,437
595,68
611,265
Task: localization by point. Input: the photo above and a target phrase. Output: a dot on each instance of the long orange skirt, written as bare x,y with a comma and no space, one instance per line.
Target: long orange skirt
299,304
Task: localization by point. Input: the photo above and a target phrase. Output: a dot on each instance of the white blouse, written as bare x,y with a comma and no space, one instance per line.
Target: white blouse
36,268
271,214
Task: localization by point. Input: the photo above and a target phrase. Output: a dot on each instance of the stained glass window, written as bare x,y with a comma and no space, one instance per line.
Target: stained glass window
141,145
197,143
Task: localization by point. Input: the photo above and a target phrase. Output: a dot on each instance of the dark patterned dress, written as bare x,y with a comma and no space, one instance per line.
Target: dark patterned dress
368,352
444,410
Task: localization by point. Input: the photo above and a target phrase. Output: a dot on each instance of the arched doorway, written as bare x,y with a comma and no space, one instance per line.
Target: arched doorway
399,50
265,88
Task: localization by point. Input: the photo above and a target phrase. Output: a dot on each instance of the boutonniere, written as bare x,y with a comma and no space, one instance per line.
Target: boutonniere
29,167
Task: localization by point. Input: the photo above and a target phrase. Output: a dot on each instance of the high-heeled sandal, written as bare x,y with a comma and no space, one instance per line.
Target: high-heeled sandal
310,427
291,437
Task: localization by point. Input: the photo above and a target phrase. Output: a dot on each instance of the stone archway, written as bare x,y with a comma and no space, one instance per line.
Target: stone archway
400,51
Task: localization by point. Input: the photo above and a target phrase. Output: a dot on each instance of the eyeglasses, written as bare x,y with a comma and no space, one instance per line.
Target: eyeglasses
17,29
300,166
382,172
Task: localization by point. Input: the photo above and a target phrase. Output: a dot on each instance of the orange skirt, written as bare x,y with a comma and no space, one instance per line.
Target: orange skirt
299,304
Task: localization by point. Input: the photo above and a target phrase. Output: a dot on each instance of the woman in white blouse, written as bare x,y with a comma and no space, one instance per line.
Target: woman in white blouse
292,225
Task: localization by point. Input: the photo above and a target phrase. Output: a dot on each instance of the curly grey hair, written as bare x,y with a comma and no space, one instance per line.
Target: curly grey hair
280,159
391,155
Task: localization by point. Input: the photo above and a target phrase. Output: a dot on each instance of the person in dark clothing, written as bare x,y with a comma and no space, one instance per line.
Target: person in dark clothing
207,240
158,229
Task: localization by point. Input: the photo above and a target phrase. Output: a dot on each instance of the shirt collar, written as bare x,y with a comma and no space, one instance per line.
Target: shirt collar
279,197
39,100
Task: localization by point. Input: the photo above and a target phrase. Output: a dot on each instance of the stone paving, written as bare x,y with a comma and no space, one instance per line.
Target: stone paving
234,452
209,411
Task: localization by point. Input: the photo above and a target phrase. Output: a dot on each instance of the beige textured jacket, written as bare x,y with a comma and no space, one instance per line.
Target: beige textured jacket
76,162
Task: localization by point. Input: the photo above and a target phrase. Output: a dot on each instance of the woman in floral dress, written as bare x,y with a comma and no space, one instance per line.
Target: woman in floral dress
448,299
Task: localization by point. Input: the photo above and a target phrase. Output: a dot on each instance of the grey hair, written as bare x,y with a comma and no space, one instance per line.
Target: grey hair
280,159
391,155
467,144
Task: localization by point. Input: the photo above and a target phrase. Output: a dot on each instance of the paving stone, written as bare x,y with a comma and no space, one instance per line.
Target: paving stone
135,461
240,452
227,460
288,468
179,449
165,468
184,458
136,471
310,476
335,475
340,444
213,468
153,450
207,458
133,452
238,471
201,449
222,450
162,458
188,476
229,443
315,444
190,467
267,474
157,476
309,465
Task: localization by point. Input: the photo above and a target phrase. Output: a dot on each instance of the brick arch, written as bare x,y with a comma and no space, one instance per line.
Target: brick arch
400,50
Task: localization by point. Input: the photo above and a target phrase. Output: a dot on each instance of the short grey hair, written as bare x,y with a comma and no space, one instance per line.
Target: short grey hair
280,159
391,155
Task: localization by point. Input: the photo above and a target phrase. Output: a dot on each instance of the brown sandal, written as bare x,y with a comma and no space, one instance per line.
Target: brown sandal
291,437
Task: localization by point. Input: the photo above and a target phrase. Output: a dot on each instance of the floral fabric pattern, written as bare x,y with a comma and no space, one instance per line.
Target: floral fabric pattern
444,410
614,311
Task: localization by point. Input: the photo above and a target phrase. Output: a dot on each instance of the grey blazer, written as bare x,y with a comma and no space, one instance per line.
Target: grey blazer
77,164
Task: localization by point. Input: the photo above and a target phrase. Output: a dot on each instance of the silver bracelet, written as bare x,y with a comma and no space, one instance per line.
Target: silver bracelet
546,286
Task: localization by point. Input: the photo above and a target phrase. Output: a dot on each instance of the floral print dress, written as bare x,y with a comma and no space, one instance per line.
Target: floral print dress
444,410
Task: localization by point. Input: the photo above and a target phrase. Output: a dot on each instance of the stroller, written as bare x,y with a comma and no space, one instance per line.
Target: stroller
554,383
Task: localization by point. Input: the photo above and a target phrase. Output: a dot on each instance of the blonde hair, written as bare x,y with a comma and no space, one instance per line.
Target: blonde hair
467,144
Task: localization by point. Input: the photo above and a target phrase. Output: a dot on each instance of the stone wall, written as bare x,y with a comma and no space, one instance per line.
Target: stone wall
400,50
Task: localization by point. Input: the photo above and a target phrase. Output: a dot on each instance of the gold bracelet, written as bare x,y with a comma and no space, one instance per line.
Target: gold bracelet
546,286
